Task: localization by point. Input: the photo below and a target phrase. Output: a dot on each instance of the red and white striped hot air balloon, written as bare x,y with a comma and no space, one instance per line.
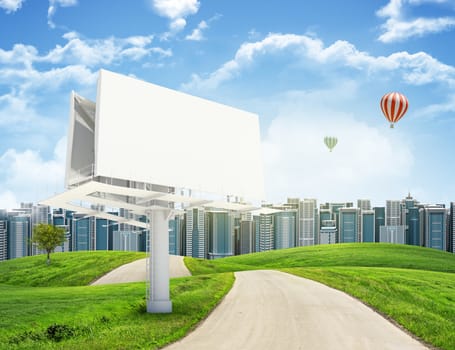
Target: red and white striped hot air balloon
394,106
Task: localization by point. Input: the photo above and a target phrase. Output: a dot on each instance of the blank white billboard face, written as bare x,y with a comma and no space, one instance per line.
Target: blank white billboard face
151,134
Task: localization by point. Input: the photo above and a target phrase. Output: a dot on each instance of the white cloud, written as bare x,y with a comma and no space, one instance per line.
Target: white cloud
176,8
10,5
80,51
53,5
197,34
26,176
367,162
397,28
176,11
419,68
76,59
436,110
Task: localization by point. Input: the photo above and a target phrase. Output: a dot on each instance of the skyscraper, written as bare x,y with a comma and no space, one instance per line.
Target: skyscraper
367,226
328,232
348,232
379,220
434,226
220,231
285,222
364,204
175,235
18,235
264,221
196,241
307,222
451,239
393,213
3,240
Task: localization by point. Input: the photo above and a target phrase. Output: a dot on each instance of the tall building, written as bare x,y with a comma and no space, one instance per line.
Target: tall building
348,232
364,204
220,231
393,213
18,235
328,232
410,219
379,220
246,236
264,221
196,240
128,240
367,226
285,223
307,222
451,233
433,220
176,235
3,240
82,235
392,234
414,234
60,218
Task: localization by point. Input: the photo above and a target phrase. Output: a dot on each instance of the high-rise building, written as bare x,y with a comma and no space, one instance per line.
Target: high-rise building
176,235
307,222
367,226
363,204
60,218
328,232
246,237
220,231
3,240
451,231
196,241
392,234
18,235
393,213
83,235
128,240
264,220
348,232
379,220
414,234
285,223
433,220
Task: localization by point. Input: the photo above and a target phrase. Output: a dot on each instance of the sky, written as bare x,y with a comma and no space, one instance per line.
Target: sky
308,69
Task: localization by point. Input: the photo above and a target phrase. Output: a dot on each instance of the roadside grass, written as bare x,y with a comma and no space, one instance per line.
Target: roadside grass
65,269
423,302
346,254
413,286
104,317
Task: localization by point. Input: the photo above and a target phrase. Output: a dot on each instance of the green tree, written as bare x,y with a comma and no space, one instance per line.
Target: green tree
48,237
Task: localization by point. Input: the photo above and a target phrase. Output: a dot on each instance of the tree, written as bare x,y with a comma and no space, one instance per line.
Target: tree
48,237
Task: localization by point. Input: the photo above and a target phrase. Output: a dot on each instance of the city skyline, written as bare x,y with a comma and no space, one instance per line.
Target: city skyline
211,233
309,70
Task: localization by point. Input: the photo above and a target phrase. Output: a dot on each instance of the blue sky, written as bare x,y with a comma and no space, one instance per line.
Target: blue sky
308,68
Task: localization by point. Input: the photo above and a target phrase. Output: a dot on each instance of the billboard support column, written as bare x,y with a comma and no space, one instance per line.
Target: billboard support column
159,299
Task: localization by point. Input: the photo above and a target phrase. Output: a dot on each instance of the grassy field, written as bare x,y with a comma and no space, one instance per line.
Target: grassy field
48,307
65,269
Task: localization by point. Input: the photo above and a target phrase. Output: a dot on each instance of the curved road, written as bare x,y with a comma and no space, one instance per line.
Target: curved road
136,271
274,310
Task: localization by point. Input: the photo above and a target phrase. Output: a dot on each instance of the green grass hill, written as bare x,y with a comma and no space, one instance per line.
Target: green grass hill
53,307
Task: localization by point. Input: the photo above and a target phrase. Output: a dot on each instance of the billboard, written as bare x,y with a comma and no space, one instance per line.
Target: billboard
147,133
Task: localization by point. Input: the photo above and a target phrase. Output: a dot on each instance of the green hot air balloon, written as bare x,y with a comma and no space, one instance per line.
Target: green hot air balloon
330,142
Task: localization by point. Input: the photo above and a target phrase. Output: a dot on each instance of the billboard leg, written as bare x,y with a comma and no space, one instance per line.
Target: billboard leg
159,299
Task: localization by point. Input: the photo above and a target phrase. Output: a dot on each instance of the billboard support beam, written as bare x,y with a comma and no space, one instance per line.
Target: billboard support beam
159,298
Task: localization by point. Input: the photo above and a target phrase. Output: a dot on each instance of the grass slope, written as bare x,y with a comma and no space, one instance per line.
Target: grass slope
414,286
65,269
357,254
